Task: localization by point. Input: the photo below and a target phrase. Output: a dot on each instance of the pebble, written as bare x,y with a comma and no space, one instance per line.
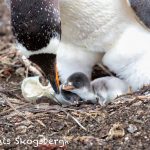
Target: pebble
132,128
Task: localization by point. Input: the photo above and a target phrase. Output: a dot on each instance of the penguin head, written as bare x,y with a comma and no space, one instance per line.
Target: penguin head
77,81
36,26
79,84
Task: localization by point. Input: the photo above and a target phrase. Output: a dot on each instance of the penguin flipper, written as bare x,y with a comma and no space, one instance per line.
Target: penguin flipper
142,10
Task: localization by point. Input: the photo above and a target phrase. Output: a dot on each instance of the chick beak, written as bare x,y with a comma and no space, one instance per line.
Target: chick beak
47,62
68,87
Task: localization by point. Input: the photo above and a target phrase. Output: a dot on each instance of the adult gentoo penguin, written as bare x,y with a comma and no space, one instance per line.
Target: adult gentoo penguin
90,28
37,27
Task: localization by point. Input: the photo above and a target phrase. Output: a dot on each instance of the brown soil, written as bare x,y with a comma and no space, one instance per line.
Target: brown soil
122,125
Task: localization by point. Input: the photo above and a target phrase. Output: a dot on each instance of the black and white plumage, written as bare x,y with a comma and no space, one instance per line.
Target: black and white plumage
104,31
37,28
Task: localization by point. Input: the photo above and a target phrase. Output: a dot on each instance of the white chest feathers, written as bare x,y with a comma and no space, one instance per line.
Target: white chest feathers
95,25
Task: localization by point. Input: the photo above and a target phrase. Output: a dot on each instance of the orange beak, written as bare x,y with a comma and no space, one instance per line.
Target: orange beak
54,77
57,77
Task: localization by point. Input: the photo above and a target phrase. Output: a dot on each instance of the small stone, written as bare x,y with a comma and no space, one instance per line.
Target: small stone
126,138
117,131
21,129
132,128
20,71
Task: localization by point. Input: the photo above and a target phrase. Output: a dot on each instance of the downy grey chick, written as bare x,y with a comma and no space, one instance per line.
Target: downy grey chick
101,90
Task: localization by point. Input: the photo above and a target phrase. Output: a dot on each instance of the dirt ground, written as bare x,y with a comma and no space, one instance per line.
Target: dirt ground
122,125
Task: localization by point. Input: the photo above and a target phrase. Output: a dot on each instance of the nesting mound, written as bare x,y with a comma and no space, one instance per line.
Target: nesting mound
123,124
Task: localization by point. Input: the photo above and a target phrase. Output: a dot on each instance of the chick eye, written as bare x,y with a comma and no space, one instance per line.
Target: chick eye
78,83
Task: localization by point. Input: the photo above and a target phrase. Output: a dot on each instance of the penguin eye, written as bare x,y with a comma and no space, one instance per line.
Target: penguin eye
78,83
